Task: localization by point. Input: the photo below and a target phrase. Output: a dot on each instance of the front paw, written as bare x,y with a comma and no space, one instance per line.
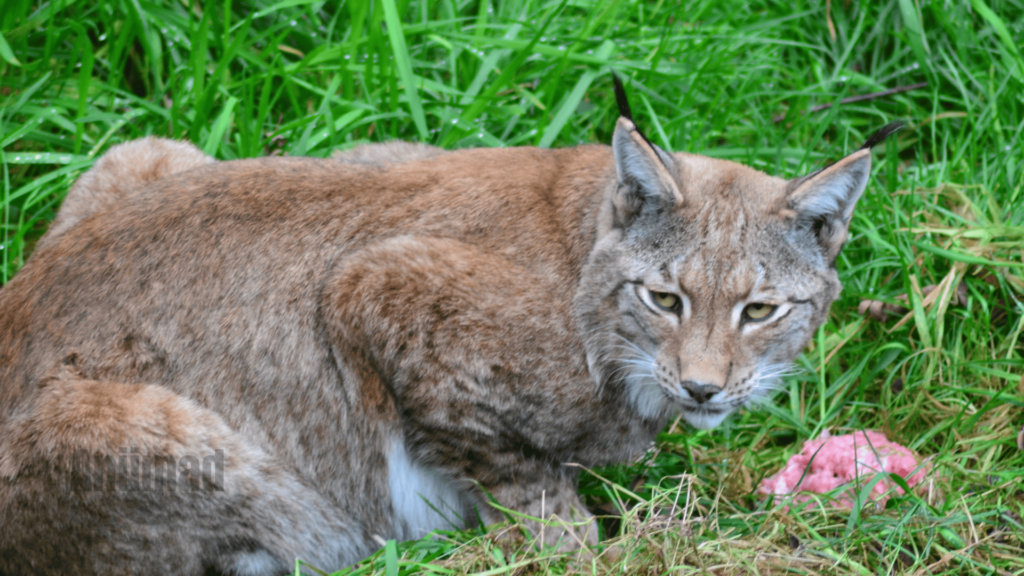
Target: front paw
579,536
573,529
560,522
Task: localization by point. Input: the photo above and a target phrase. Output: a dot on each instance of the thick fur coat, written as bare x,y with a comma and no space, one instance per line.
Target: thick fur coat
228,365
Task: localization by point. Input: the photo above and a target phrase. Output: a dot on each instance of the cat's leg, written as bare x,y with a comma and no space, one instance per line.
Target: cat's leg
480,362
121,171
100,477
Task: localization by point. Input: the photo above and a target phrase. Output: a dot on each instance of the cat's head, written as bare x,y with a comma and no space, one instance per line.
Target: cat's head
709,277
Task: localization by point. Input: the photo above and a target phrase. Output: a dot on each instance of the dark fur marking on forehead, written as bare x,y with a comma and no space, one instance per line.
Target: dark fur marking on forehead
665,273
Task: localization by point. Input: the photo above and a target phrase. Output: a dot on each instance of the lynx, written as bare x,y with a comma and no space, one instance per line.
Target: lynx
224,366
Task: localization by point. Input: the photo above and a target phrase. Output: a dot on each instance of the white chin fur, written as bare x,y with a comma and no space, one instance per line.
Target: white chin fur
650,401
704,420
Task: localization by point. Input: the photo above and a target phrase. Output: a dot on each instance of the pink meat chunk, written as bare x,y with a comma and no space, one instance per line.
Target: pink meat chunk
827,463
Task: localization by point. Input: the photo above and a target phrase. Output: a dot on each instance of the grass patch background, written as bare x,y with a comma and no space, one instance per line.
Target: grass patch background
732,79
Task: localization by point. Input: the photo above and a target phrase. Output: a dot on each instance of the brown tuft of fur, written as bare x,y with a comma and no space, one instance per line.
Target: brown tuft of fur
124,170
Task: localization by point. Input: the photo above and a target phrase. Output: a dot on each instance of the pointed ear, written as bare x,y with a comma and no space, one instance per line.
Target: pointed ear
647,174
823,202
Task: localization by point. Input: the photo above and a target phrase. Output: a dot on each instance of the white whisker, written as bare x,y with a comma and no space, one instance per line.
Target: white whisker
768,379
636,368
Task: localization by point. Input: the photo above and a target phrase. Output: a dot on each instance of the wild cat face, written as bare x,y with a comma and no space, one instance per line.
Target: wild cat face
709,277
714,298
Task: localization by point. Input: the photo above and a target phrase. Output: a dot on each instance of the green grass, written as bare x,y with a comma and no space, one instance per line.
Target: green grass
731,79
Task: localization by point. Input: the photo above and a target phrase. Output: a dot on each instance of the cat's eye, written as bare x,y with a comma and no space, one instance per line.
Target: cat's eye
666,300
758,312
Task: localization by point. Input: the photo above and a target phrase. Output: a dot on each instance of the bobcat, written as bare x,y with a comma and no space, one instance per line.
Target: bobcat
227,365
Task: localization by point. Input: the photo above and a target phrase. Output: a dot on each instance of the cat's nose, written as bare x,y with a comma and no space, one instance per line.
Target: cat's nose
700,393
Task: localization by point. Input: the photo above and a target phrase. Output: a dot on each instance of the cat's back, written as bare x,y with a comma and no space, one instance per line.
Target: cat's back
253,199
228,259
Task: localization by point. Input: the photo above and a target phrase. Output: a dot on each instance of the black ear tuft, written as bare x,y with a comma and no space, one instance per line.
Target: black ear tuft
883,133
620,98
625,112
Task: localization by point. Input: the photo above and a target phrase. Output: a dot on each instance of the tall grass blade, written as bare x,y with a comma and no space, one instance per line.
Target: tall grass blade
391,558
1016,65
915,34
572,101
220,127
404,64
510,70
6,54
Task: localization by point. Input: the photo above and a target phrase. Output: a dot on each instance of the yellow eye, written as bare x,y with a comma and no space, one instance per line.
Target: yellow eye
666,300
758,312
